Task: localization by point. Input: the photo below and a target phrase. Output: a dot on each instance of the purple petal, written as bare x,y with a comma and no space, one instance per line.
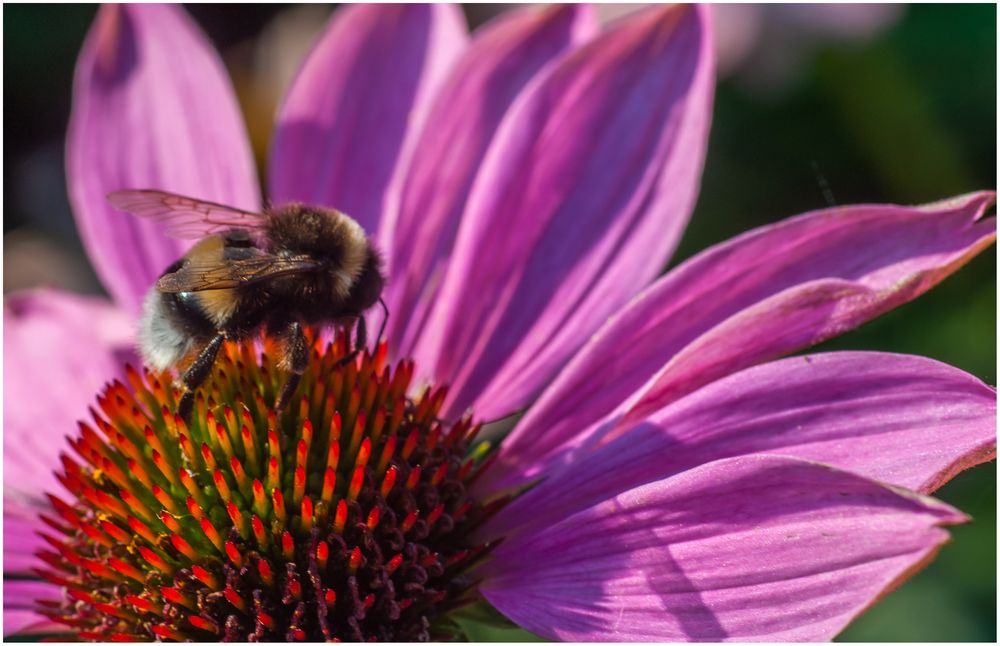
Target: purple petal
901,419
20,540
28,591
502,58
152,108
758,548
361,93
768,292
19,616
581,198
20,524
26,622
59,350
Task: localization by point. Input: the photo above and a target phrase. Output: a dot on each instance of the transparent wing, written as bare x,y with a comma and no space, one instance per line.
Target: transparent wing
185,217
226,274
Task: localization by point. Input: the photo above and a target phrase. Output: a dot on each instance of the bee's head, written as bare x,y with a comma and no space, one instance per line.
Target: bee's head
348,256
367,286
330,236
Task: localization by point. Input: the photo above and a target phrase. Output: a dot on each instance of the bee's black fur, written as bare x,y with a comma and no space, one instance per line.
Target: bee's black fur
306,229
184,311
310,297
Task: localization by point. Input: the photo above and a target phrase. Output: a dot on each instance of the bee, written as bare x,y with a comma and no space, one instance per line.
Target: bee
278,271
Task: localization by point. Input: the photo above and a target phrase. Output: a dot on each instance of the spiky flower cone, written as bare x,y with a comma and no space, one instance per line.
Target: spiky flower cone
344,518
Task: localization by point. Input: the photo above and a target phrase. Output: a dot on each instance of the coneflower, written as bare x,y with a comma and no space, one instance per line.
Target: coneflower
350,518
673,478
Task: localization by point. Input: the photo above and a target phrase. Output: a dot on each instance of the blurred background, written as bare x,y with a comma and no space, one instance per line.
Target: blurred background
816,105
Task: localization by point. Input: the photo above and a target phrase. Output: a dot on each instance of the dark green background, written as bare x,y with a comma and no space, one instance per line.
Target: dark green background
907,118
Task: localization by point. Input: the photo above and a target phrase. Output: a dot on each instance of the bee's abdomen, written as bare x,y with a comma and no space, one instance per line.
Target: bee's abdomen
170,327
161,341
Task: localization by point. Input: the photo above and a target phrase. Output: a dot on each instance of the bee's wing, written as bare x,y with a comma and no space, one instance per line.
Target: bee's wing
185,217
226,274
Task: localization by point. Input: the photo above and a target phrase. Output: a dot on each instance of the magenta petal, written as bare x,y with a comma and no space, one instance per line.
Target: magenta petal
20,539
26,622
506,54
760,548
368,82
581,198
59,350
906,420
29,590
768,292
152,108
19,616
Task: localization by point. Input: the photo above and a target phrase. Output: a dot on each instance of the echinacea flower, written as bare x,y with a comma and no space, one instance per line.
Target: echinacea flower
673,478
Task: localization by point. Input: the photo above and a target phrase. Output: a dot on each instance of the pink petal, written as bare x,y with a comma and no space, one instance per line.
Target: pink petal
27,622
20,539
20,524
909,421
506,54
19,616
152,108
581,198
59,350
368,82
760,548
28,592
768,292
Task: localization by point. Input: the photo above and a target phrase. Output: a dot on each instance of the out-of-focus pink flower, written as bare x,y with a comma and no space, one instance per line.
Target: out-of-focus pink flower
765,45
527,185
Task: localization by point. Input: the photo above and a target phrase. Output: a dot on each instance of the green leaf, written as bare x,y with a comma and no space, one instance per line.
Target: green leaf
481,622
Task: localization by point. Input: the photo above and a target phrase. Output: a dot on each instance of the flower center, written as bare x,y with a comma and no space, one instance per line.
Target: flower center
345,518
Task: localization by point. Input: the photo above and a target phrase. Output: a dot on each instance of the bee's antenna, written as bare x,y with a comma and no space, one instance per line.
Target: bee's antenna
824,186
385,319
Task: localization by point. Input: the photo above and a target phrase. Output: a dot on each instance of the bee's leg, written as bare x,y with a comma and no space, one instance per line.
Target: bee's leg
361,335
296,349
196,374
360,339
385,319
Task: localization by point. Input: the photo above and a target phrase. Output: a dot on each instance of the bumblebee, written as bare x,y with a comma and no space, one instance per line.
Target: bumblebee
278,271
